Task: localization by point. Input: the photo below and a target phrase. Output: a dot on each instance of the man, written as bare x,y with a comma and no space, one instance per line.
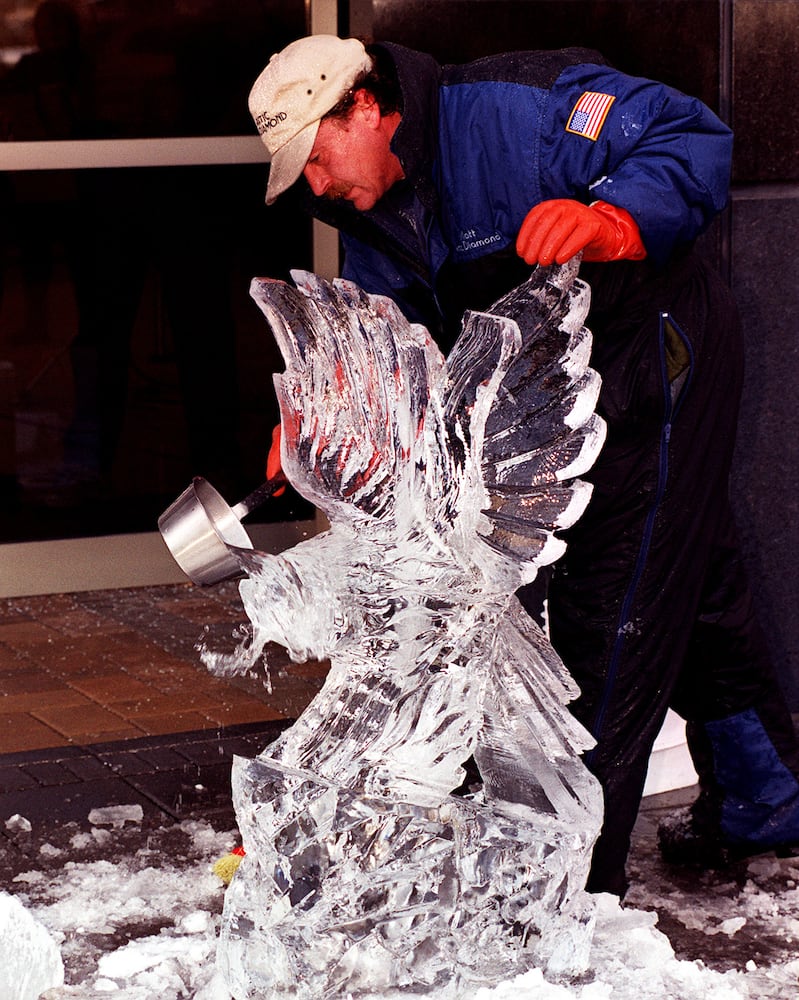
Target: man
447,184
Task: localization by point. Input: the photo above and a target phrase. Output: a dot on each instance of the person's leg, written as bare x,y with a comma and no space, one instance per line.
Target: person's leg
624,597
740,731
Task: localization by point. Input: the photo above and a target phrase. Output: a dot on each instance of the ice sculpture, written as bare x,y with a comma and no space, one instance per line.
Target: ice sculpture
444,483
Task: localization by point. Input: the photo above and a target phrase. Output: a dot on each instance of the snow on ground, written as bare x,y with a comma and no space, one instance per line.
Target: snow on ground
134,917
134,909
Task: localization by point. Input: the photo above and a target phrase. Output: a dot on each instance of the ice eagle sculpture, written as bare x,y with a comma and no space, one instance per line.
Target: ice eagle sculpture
444,482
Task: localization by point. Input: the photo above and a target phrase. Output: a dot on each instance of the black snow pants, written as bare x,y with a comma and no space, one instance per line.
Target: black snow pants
650,607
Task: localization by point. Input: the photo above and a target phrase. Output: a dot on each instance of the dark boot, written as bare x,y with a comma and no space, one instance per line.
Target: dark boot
749,804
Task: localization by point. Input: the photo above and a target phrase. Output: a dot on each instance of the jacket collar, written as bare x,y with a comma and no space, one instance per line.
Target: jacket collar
415,141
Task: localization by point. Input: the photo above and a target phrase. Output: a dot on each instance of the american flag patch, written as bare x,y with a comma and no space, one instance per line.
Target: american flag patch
589,114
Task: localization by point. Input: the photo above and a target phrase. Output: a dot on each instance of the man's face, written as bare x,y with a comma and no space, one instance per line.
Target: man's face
352,157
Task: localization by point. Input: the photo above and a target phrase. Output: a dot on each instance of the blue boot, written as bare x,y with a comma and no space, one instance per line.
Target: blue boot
751,805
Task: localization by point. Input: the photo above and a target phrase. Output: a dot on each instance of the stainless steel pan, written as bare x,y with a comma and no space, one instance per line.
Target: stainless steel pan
200,526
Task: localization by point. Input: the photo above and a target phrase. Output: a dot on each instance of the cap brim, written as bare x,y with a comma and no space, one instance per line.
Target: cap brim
289,161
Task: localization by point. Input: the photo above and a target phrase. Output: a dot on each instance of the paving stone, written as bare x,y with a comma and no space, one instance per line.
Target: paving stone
193,792
50,773
28,636
12,659
20,731
14,778
37,755
87,768
178,722
72,802
162,758
126,762
204,752
243,710
56,695
111,688
76,721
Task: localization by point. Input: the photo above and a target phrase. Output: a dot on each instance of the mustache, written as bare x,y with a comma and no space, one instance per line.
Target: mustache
337,192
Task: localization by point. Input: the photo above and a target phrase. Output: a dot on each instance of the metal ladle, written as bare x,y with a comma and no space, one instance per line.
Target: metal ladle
200,527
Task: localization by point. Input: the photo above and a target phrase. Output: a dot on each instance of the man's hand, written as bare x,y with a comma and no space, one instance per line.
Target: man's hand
273,466
554,231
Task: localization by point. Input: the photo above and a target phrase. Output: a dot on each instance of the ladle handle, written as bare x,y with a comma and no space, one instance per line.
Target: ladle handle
257,497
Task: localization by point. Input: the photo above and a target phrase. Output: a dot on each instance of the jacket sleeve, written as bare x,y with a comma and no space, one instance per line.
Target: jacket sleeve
661,155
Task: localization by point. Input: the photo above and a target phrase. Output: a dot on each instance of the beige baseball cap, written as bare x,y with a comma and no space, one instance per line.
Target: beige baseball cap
300,84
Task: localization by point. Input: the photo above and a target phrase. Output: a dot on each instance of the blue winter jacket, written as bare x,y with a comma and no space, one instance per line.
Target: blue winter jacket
482,143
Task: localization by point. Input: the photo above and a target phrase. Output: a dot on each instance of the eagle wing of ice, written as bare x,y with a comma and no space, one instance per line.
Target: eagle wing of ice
485,447
531,428
353,397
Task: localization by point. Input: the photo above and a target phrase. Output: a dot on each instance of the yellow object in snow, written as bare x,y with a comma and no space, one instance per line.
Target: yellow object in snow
227,866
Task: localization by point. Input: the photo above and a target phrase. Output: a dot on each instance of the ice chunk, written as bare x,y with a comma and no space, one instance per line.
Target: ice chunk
30,961
116,816
18,824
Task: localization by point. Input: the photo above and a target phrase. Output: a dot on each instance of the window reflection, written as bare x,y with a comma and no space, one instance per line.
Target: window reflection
136,68
131,357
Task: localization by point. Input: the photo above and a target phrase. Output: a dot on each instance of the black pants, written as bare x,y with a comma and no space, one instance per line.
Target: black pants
650,608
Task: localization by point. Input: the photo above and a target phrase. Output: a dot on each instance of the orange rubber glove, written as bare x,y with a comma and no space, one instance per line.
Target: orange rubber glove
554,231
273,466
